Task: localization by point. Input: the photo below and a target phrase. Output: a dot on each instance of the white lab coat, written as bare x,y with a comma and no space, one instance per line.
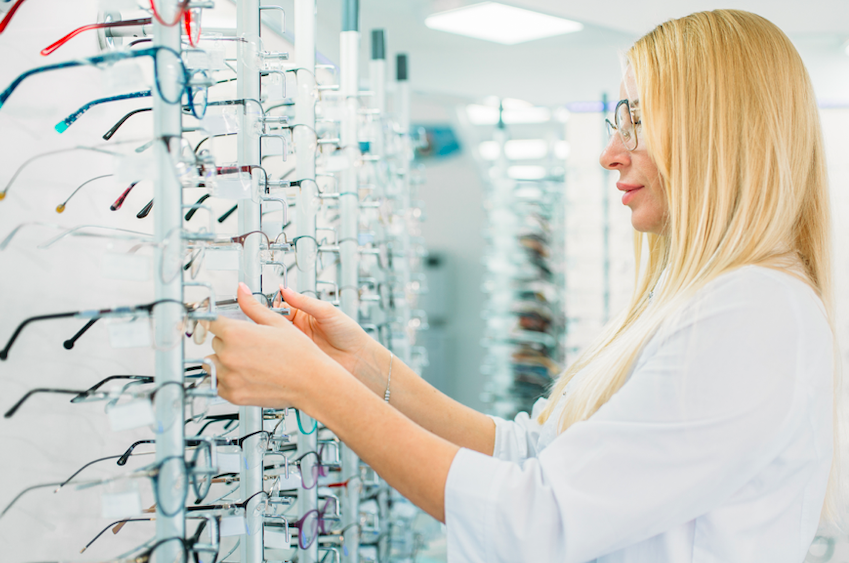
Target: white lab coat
716,449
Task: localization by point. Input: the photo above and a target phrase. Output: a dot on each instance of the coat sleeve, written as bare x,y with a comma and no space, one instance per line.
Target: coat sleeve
516,440
709,404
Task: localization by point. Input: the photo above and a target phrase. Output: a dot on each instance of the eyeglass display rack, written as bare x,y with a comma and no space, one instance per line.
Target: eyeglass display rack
352,196
523,282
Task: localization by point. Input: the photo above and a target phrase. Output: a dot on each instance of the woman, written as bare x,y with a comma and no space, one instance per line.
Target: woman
698,427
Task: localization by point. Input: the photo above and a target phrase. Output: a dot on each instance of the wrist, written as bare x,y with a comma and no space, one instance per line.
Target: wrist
372,369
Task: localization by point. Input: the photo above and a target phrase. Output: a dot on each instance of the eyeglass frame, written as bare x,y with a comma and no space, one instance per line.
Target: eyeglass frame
617,126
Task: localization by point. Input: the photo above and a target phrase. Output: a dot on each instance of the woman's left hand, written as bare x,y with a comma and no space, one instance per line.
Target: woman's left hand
266,364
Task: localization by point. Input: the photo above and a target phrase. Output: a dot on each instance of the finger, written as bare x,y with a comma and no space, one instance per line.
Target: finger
219,324
217,344
255,311
305,303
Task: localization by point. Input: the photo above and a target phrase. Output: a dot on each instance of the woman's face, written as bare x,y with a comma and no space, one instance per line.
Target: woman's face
638,177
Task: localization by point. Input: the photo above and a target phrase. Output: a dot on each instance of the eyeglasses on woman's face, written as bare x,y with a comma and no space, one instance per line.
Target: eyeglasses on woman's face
626,123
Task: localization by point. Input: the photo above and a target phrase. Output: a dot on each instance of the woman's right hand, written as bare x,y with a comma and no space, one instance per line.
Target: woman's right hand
335,333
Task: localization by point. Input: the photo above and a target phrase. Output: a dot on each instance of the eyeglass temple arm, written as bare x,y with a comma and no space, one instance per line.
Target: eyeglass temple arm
69,344
227,213
114,129
99,384
63,125
78,471
15,83
4,353
191,212
14,231
9,15
116,205
25,491
36,157
52,47
32,392
61,207
145,211
118,525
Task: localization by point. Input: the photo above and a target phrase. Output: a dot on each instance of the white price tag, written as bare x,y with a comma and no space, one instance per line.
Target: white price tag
125,266
132,334
120,505
274,87
229,462
127,169
337,163
276,539
233,526
196,60
134,414
233,186
274,146
124,77
222,122
228,260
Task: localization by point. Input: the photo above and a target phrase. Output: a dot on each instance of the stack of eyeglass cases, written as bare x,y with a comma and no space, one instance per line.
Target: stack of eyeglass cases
150,164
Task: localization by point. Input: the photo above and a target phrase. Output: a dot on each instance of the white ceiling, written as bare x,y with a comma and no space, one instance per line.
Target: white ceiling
574,67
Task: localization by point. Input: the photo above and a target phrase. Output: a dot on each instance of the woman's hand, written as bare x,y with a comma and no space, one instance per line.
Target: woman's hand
335,333
270,363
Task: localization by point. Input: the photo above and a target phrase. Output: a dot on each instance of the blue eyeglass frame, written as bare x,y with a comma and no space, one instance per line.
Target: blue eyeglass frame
113,58
63,125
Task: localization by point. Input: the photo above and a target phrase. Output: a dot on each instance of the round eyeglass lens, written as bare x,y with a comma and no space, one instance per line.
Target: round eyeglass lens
171,75
202,466
626,126
308,530
199,91
169,551
172,486
169,321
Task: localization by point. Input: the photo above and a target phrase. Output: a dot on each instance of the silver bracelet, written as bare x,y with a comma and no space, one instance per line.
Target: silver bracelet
388,378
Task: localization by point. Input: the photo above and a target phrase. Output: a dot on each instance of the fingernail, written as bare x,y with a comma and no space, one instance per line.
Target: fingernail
244,288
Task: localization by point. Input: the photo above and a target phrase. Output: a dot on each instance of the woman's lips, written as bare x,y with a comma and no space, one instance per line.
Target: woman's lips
630,191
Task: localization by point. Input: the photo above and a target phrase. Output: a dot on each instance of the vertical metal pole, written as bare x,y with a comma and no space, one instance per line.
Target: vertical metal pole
377,76
402,267
167,217
349,207
250,418
305,145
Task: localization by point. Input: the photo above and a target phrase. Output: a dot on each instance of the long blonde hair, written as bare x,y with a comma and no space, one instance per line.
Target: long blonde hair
730,119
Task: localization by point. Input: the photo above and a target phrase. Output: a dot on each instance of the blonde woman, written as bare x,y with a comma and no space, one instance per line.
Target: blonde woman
699,426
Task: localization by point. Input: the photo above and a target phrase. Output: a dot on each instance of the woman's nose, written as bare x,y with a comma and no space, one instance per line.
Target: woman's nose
615,155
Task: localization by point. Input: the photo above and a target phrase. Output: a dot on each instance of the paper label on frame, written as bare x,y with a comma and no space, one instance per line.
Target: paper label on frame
232,187
120,505
122,78
274,87
134,414
132,334
228,260
233,526
229,462
276,539
125,266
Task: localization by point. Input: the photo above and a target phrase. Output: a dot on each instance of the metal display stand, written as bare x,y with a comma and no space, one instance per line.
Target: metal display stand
371,256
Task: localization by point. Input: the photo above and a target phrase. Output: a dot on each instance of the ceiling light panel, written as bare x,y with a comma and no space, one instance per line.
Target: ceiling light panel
500,23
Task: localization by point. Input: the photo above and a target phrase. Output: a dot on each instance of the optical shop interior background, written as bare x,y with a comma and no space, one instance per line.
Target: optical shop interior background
519,247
